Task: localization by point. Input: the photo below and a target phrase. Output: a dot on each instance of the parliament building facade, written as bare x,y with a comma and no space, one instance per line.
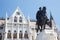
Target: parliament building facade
17,27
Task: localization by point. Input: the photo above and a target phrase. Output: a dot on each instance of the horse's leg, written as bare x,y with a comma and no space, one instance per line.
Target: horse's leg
44,26
41,29
37,28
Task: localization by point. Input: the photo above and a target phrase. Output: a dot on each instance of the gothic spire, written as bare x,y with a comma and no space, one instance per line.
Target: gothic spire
6,16
51,18
28,19
52,22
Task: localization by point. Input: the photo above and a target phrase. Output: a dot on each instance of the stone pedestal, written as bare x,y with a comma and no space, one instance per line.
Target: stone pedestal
47,34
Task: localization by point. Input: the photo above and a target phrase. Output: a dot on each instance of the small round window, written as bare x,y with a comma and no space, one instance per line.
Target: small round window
18,13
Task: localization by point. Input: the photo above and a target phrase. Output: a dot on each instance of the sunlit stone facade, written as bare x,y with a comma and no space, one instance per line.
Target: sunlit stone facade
17,27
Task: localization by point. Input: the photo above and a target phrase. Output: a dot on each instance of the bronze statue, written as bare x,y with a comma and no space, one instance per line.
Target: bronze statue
41,19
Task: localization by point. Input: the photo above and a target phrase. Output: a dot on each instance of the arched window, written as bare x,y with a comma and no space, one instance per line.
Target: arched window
26,35
20,35
20,19
15,19
32,37
15,34
9,34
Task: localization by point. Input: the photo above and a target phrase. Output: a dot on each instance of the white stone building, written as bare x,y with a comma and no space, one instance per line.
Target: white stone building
2,29
17,27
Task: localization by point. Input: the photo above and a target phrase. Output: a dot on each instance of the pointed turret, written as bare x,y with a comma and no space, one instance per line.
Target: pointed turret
28,19
52,23
51,18
6,16
6,24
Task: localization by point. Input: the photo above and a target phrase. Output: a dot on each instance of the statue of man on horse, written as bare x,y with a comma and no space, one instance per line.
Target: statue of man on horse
41,19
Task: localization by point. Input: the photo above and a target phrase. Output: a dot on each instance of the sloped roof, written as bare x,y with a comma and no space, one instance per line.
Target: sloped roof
32,20
1,18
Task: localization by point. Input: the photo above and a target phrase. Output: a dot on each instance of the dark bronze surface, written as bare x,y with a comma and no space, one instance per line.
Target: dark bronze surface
41,18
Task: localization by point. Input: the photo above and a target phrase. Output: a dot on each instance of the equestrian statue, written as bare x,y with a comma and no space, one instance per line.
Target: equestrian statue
41,19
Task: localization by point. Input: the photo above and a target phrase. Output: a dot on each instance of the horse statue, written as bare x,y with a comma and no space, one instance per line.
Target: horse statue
41,19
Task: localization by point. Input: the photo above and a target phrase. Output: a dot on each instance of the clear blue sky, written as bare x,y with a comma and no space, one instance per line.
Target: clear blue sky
30,7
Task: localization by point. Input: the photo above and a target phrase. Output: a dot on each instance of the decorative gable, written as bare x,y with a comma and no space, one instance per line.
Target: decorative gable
17,12
18,16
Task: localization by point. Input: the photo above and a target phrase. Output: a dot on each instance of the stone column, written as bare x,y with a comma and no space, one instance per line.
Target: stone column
29,34
23,27
6,31
12,32
18,32
12,28
5,28
23,31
